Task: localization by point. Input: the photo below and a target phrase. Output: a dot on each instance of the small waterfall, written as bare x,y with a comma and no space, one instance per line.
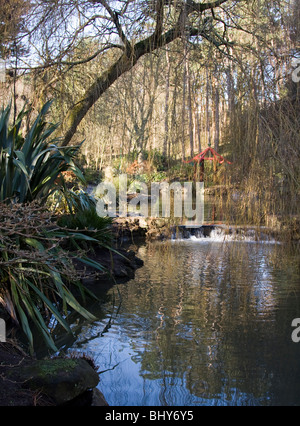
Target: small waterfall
220,233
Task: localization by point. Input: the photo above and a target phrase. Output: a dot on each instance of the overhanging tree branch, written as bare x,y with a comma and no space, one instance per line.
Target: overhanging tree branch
134,52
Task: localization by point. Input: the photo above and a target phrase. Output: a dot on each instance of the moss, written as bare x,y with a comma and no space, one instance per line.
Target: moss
60,379
44,368
52,367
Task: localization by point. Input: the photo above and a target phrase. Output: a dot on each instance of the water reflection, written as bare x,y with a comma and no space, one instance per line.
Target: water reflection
201,324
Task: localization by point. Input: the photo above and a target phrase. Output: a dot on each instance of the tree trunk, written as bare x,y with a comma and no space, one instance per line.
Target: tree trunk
183,110
174,125
208,130
77,113
189,88
131,54
217,119
198,126
166,137
125,63
230,91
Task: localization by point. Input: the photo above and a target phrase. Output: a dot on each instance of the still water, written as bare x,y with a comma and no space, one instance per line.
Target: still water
205,321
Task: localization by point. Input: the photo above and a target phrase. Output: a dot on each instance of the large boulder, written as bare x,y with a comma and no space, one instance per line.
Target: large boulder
62,380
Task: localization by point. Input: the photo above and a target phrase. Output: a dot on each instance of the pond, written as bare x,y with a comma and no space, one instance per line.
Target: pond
205,321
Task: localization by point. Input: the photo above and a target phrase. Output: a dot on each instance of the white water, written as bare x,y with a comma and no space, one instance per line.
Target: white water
222,234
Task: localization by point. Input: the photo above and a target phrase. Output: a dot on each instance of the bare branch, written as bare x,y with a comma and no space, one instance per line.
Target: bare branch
115,19
156,40
73,63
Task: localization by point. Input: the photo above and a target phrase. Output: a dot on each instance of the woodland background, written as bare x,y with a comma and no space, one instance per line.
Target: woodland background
166,79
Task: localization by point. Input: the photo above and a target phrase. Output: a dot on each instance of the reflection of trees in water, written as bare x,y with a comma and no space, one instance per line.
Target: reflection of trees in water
208,313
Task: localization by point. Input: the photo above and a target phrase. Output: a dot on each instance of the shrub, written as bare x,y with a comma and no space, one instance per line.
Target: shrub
81,216
36,269
36,272
31,168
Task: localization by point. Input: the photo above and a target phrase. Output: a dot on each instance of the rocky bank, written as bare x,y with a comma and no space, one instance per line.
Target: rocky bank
50,382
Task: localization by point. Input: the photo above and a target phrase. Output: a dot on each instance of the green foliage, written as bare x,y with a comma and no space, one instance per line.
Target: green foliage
36,272
152,177
159,160
92,176
30,167
83,218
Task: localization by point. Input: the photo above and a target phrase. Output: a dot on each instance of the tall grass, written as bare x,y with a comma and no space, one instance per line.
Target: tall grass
264,180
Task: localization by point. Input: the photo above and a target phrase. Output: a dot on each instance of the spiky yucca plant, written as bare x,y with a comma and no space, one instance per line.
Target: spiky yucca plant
37,273
30,166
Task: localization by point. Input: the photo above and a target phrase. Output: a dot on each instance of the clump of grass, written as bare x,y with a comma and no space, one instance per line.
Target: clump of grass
36,273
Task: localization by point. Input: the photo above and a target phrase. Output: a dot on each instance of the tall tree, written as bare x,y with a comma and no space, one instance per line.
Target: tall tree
12,15
132,28
167,98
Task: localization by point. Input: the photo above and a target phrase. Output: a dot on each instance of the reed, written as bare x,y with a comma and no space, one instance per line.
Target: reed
263,184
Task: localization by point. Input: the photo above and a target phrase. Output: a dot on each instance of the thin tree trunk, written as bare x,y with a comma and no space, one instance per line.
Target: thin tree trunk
208,130
217,119
198,126
230,91
183,110
190,108
166,138
174,132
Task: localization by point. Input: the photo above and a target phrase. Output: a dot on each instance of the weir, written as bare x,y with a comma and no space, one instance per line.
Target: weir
221,232
133,228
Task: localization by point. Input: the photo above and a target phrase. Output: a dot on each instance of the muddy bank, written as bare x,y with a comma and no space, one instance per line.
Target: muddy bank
119,265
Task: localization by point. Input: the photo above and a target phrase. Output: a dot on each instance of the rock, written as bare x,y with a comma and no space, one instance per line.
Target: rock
98,399
60,379
160,223
90,398
143,223
144,228
126,264
128,229
25,381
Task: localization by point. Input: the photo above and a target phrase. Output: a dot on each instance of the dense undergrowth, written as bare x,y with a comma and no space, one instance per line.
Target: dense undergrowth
41,241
